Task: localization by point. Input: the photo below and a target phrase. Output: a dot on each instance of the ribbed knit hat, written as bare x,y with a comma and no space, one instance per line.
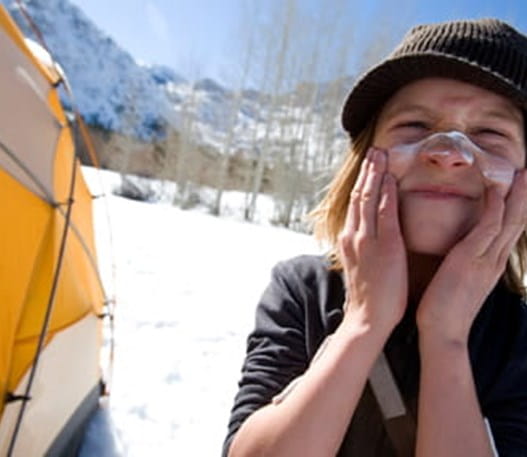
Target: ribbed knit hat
486,52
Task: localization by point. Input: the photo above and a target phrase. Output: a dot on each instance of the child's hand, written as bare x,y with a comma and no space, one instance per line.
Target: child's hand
372,249
472,268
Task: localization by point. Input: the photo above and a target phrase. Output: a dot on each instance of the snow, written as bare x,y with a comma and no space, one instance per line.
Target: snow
186,285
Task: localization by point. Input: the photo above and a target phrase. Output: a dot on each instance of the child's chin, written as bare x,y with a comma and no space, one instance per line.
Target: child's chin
434,234
438,246
437,251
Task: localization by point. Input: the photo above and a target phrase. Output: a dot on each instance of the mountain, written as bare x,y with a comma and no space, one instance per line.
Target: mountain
111,90
117,94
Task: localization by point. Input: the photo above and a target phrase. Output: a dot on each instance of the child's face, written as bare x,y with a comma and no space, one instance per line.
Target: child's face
446,142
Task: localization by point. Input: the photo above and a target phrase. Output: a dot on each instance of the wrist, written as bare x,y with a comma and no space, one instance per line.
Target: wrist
440,343
360,320
436,330
355,327
451,358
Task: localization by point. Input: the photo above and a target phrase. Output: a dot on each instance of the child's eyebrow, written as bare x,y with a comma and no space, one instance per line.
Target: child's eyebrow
504,115
407,108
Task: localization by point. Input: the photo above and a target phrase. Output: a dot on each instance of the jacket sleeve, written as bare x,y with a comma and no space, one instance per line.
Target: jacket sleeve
276,348
507,408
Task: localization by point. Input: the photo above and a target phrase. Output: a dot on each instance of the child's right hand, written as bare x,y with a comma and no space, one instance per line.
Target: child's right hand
372,249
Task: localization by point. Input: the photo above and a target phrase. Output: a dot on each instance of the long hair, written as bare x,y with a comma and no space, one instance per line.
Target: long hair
329,216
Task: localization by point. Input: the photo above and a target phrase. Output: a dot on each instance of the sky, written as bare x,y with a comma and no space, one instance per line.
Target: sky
203,38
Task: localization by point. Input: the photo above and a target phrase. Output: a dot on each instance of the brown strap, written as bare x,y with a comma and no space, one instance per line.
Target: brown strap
399,424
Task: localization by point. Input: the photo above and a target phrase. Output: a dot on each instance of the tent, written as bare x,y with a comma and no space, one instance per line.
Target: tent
51,296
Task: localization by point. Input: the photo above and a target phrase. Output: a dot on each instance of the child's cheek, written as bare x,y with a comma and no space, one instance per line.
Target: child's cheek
497,172
400,158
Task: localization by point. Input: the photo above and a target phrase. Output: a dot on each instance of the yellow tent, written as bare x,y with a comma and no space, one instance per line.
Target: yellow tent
51,296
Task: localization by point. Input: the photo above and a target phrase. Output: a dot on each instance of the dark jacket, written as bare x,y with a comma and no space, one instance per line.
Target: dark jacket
303,304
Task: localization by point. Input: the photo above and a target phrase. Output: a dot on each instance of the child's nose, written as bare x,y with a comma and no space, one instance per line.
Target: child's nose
446,153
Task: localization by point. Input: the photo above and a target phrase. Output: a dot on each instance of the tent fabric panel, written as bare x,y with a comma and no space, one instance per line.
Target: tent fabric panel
83,213
33,309
79,290
10,27
68,371
82,217
79,293
24,95
26,218
69,441
63,166
55,106
23,355
39,287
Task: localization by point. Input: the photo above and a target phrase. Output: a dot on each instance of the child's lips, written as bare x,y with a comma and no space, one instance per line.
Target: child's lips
440,192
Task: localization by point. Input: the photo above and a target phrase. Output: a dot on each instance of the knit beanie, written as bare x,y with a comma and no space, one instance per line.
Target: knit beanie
487,52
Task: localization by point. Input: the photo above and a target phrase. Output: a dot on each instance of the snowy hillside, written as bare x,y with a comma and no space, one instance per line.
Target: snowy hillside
115,92
110,89
187,284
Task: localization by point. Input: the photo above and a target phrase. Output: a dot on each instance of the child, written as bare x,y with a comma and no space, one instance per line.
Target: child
410,337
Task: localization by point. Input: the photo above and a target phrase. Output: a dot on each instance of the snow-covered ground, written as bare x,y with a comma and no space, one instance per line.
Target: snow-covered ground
186,285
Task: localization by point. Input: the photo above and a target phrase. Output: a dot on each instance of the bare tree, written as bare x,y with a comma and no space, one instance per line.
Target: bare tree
301,62
234,109
186,162
278,73
297,180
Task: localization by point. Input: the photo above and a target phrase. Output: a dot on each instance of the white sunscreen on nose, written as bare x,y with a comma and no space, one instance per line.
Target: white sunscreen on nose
495,170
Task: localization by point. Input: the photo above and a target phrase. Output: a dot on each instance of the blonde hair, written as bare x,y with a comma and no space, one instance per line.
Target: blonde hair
329,216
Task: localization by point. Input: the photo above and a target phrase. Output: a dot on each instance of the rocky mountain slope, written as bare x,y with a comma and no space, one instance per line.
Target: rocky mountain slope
140,113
